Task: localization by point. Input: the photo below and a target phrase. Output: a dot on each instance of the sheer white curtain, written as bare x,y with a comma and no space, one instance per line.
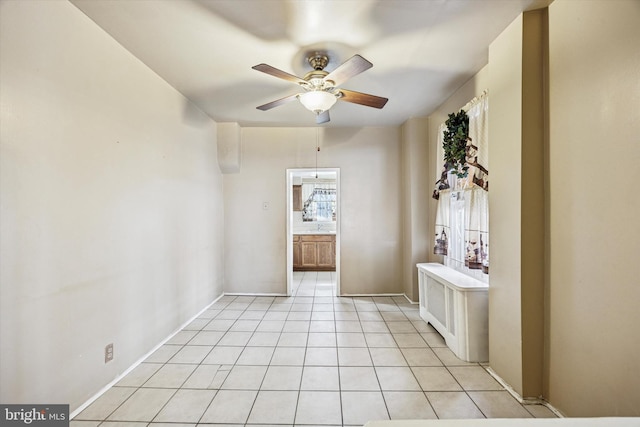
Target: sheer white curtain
442,182
479,127
319,200
462,216
443,230
476,230
478,146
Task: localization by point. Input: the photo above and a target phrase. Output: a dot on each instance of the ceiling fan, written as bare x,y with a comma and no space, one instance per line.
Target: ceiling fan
320,88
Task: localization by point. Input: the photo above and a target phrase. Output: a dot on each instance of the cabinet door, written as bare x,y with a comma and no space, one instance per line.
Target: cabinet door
309,254
333,251
325,254
297,255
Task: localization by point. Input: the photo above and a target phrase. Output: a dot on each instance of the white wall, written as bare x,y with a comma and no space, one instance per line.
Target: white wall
111,207
516,203
371,222
591,316
594,150
416,192
505,150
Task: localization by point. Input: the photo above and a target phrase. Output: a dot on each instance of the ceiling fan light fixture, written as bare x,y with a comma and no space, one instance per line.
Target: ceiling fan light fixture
320,88
317,101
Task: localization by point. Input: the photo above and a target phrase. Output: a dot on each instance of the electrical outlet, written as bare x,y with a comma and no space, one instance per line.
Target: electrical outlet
108,353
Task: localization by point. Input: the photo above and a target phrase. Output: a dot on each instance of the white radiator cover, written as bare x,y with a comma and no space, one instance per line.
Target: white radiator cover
457,306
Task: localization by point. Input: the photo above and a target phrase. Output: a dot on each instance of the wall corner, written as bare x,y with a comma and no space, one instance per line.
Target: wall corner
229,147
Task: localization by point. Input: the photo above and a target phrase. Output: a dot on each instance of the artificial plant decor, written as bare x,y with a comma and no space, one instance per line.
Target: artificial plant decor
455,143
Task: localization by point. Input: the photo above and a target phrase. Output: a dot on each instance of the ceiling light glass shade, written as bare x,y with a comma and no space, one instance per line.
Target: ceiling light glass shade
317,101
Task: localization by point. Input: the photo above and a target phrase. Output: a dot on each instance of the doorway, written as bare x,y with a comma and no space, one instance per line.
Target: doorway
313,232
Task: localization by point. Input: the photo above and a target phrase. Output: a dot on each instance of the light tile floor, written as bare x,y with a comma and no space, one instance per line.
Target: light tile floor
309,359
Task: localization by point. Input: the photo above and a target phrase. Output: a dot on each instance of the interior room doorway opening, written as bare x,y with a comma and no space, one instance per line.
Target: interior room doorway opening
313,232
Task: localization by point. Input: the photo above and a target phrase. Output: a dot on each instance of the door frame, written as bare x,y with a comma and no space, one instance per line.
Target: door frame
291,173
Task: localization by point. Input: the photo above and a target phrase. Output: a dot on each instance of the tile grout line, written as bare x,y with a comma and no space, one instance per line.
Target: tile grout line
361,305
335,326
141,386
218,370
234,364
461,387
200,364
304,357
114,383
424,393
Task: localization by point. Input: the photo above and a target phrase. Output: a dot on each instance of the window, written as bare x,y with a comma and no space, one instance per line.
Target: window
319,201
462,216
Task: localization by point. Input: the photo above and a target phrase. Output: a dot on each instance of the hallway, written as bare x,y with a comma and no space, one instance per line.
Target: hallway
314,284
309,359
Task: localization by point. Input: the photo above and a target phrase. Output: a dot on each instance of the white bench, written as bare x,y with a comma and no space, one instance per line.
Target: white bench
457,306
514,422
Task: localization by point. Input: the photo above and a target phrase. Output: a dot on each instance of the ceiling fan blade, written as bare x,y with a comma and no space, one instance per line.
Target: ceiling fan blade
322,117
277,102
268,69
351,67
362,98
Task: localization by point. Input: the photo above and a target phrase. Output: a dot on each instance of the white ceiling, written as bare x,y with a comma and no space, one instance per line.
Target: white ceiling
421,50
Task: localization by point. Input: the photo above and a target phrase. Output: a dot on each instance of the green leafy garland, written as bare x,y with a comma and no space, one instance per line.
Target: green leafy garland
455,143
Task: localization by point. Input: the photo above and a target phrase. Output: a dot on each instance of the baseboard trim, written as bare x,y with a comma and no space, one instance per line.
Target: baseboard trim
138,362
266,294
516,395
372,295
410,301
254,294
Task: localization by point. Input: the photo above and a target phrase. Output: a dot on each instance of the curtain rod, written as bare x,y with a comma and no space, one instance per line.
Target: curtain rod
475,100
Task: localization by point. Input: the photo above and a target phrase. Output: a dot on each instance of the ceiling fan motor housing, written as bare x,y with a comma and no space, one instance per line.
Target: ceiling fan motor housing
318,60
315,80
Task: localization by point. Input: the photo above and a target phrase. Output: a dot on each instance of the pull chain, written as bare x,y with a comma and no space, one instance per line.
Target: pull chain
317,150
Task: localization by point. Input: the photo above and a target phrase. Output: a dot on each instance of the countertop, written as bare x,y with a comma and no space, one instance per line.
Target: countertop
512,422
313,232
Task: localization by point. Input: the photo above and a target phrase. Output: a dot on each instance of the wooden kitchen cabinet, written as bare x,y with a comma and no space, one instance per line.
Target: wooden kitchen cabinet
326,255
314,252
309,255
297,253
